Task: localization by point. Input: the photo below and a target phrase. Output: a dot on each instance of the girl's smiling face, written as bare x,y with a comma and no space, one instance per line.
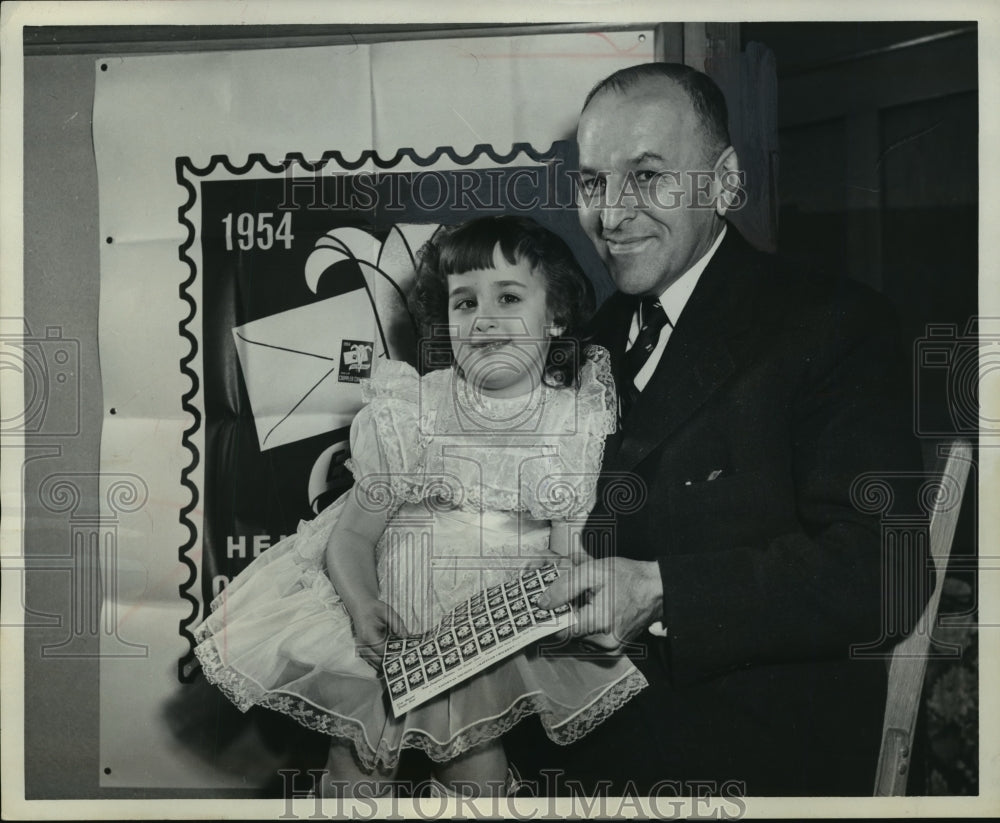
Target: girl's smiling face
500,322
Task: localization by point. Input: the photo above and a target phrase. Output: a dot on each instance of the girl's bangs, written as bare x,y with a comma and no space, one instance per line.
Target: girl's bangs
473,246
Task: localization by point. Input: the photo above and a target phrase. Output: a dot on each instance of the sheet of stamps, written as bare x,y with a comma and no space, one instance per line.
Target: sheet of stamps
488,627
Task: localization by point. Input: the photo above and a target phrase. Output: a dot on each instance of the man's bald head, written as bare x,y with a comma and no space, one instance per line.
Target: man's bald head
706,98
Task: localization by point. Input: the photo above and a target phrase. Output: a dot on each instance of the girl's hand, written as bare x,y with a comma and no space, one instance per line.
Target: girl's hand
374,620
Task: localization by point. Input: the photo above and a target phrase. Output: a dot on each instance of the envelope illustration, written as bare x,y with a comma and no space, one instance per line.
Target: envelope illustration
303,367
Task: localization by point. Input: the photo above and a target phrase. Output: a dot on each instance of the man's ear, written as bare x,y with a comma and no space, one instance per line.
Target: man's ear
728,181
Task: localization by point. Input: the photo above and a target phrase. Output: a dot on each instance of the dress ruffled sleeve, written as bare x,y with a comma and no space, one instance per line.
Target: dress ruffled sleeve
569,488
387,444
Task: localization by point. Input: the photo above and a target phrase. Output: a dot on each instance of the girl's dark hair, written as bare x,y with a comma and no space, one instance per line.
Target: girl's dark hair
569,293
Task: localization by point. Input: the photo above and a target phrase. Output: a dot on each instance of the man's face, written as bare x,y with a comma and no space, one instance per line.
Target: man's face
642,159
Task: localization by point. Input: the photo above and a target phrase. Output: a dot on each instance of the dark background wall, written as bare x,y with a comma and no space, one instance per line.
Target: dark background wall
878,168
878,178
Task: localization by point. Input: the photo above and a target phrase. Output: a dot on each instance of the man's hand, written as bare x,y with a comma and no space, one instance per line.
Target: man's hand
373,620
615,599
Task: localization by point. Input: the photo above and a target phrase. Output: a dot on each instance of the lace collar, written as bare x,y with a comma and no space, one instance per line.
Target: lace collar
498,415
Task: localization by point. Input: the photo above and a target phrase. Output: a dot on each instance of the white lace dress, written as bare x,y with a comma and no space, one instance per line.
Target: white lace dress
472,484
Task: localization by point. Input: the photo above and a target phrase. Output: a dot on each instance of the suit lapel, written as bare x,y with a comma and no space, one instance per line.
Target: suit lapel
699,357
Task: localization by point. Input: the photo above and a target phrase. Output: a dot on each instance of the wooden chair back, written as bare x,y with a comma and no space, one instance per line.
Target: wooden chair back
909,658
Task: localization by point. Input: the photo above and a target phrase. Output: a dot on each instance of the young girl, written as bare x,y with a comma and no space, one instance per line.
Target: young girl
464,477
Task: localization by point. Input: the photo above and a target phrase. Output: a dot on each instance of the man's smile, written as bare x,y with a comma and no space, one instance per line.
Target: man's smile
626,245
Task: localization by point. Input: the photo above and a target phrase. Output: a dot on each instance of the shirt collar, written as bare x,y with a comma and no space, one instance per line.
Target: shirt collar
675,297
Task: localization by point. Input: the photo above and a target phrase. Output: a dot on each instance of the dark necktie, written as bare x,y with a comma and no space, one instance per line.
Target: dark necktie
652,320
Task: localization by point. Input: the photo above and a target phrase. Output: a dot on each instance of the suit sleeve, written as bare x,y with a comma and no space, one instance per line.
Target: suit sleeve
819,590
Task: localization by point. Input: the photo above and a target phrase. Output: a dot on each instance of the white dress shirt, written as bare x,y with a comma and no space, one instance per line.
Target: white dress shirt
673,300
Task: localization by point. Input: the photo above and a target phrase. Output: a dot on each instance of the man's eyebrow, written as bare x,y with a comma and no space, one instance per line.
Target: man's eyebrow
646,155
635,161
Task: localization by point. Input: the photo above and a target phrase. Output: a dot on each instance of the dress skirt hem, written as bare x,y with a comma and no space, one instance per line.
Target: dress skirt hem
245,693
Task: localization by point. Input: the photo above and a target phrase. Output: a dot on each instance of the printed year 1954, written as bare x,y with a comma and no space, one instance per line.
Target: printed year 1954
260,231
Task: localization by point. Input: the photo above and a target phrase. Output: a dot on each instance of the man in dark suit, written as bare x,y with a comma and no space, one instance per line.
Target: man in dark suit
752,396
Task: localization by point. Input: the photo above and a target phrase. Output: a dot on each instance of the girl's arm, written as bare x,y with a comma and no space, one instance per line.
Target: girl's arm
564,538
350,564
